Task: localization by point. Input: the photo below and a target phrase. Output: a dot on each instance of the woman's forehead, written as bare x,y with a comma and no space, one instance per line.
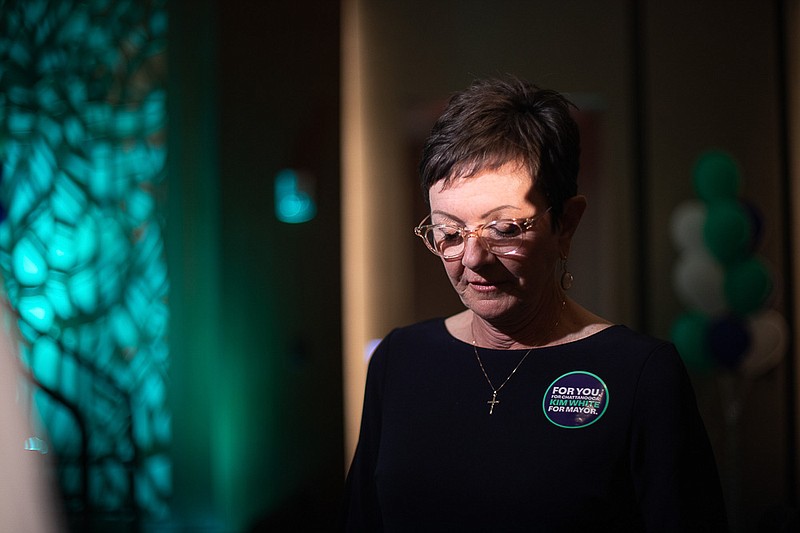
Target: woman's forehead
506,191
504,180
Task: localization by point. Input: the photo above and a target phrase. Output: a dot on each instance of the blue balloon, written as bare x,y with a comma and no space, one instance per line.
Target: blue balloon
728,340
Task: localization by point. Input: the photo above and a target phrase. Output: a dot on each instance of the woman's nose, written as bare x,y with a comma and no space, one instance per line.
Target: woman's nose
474,252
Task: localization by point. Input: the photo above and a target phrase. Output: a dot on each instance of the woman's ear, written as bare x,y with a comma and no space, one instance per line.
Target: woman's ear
570,218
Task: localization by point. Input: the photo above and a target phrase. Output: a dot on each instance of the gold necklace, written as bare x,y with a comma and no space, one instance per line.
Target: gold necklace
494,401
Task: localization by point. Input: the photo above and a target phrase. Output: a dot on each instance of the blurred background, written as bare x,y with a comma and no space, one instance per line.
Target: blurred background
207,211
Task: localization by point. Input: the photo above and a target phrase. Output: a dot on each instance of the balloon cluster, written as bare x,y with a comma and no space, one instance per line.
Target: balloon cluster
720,278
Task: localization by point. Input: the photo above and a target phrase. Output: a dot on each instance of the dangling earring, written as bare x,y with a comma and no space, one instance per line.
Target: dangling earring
566,276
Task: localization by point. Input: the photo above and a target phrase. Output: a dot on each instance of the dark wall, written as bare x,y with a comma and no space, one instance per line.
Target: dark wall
257,348
278,107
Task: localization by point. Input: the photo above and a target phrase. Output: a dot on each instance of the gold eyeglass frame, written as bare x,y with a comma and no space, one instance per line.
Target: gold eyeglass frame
524,225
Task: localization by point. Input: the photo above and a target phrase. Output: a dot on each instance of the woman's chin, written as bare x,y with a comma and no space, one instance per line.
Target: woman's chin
489,309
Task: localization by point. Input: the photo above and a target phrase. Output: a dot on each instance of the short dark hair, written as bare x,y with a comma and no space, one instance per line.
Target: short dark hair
502,120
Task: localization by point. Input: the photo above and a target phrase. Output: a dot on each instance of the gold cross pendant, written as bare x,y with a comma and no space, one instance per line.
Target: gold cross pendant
493,402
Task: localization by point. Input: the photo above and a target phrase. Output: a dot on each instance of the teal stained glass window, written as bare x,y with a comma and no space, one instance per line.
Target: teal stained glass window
82,162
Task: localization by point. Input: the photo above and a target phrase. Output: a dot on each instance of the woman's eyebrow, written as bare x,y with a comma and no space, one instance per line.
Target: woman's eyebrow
446,214
499,208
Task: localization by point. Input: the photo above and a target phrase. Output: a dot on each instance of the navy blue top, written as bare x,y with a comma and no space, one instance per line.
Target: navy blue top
554,455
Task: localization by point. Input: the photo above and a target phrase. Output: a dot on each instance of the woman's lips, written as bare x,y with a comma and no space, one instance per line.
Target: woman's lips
483,286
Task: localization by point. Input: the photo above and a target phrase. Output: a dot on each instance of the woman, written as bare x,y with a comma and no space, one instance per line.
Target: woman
524,412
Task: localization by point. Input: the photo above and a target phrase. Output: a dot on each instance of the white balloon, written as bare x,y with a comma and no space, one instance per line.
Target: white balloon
699,280
769,339
686,225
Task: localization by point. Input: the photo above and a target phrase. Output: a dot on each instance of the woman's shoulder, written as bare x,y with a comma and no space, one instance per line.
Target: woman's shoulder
429,325
412,344
623,351
620,339
426,331
621,333
587,327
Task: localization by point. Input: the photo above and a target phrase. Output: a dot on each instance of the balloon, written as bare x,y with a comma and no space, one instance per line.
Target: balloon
689,335
727,231
747,285
769,338
698,280
686,224
716,176
728,340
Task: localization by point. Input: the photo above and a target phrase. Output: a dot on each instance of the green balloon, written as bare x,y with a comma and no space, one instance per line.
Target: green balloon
716,176
747,286
689,334
728,231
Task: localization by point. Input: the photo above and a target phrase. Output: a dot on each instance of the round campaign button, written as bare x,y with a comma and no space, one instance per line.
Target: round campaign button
575,400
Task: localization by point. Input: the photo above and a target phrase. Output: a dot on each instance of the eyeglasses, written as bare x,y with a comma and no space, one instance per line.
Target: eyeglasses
500,237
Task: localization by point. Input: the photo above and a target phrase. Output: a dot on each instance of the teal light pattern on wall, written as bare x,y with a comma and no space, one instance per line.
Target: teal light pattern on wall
82,155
